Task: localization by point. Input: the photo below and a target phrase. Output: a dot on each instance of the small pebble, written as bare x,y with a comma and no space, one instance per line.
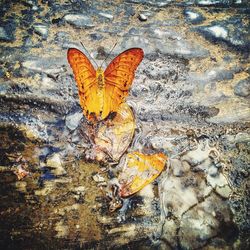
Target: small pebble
98,178
35,8
42,30
142,17
106,15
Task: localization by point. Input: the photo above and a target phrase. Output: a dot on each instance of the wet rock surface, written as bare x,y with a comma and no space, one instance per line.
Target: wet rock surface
190,98
232,31
242,88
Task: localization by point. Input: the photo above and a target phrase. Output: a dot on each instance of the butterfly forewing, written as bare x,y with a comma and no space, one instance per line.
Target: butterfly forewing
118,78
85,76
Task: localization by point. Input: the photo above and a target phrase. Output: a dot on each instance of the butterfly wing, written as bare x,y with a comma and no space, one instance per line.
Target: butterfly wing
85,76
115,135
140,170
118,78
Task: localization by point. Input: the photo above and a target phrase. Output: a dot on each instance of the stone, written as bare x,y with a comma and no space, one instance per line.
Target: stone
27,42
61,36
80,190
203,222
193,16
61,229
224,191
168,234
96,36
198,156
231,112
213,2
42,30
8,29
242,88
217,181
233,31
212,75
35,8
242,138
218,31
106,15
39,64
47,189
30,3
63,39
5,36
79,20
54,161
98,178
155,3
129,10
167,46
75,138
72,121
114,29
212,171
134,31
142,17
202,230
2,74
21,186
179,194
163,72
177,167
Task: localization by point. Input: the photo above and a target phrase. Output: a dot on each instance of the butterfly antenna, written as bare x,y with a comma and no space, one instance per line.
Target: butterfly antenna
109,53
89,54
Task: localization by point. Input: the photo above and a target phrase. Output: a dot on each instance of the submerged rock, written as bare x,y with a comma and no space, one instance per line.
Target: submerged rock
98,178
72,121
4,36
204,222
233,31
7,33
193,16
224,191
165,40
213,2
96,36
39,64
42,30
54,161
212,75
156,3
106,15
79,20
242,88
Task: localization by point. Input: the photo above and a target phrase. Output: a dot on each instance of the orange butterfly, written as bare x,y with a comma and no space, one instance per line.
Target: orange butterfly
101,92
139,170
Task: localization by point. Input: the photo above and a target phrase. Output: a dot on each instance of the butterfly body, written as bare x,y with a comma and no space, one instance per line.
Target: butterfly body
101,92
100,77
